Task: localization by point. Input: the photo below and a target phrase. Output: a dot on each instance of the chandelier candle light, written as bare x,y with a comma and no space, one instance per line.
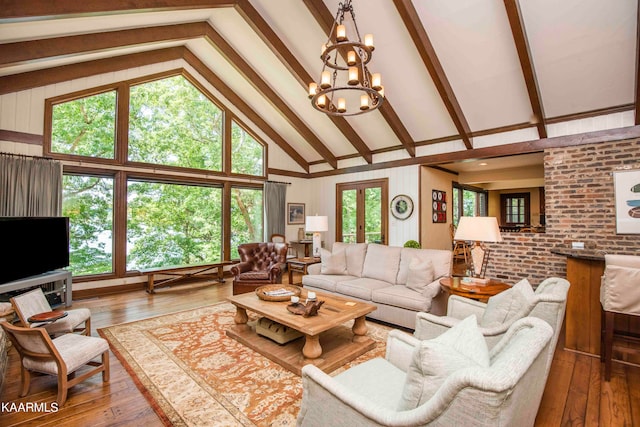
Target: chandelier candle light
346,86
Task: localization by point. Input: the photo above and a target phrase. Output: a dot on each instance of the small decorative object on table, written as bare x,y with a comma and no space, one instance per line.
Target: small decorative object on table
307,309
277,292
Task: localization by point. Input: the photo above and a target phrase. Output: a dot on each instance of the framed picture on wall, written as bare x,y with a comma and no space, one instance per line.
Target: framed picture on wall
627,196
439,206
295,213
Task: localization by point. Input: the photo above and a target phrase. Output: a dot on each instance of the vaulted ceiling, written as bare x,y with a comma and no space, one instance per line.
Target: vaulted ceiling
459,75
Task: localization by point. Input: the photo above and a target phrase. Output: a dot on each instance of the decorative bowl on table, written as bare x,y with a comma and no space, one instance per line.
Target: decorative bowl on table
277,292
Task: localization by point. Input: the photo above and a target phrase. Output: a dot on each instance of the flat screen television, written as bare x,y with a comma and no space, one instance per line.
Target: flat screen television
32,245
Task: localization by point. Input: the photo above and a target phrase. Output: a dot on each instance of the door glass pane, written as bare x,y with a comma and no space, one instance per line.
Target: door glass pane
349,217
373,215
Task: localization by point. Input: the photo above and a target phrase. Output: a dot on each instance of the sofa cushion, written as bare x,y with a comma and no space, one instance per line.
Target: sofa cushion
333,263
420,274
328,282
461,347
355,253
440,258
503,306
382,380
382,263
360,287
401,296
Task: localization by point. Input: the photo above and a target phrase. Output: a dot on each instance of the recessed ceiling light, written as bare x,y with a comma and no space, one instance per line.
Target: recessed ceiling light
483,164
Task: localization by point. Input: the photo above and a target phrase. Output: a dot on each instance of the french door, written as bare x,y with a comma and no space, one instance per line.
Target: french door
361,212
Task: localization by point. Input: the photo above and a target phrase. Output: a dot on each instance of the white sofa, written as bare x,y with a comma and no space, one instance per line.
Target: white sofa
399,281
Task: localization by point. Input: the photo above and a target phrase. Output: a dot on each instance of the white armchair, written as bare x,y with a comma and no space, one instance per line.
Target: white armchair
548,303
375,392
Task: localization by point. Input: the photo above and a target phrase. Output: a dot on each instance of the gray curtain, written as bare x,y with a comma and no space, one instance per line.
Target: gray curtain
275,207
30,186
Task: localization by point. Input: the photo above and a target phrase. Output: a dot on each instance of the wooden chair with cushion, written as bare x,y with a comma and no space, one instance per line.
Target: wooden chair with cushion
34,302
61,356
619,293
260,264
281,238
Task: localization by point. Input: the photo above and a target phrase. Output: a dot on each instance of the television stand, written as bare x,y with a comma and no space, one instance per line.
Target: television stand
61,280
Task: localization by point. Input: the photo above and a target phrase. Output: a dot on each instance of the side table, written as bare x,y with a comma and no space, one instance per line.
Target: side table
476,291
299,265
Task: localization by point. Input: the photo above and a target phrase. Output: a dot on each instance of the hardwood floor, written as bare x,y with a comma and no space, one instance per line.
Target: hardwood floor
575,393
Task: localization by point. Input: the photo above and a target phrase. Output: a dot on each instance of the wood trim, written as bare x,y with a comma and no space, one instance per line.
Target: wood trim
271,39
33,79
12,9
274,171
325,19
21,137
31,50
533,146
592,113
270,95
432,63
226,91
514,14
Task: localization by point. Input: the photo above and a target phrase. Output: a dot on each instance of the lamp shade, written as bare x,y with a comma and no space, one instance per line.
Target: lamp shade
316,223
478,229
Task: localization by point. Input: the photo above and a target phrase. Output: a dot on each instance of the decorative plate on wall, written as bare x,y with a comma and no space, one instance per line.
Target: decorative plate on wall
401,206
439,206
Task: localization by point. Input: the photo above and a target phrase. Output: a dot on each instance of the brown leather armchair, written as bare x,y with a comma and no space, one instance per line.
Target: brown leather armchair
260,264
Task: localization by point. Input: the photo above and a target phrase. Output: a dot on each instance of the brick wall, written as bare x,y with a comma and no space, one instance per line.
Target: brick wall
579,207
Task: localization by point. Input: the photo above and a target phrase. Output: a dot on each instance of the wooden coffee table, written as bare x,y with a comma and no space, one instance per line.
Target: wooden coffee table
327,343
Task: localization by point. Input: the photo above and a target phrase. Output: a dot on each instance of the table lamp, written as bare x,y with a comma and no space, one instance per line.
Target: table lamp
478,229
316,224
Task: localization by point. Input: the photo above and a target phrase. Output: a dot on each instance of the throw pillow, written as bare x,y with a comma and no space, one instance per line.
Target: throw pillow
502,307
333,263
420,274
461,347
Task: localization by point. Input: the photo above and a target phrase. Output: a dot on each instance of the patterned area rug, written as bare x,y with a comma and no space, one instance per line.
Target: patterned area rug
194,375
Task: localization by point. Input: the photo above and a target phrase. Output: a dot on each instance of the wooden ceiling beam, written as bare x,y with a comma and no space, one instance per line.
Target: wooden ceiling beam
47,76
252,77
325,19
271,39
32,50
21,9
432,63
524,54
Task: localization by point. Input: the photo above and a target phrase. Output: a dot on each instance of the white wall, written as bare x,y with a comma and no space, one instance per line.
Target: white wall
321,193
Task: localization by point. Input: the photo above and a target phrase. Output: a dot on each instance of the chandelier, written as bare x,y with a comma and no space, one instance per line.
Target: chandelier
346,86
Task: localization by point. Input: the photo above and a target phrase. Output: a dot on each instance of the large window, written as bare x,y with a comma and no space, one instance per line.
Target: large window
468,201
246,217
88,202
170,224
147,184
173,123
85,126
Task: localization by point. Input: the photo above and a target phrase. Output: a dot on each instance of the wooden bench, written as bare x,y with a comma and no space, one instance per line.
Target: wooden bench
184,272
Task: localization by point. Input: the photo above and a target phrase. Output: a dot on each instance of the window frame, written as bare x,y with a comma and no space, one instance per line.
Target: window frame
504,199
122,170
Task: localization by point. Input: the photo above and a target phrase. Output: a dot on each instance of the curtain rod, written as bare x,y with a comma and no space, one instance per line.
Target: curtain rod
24,155
279,182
